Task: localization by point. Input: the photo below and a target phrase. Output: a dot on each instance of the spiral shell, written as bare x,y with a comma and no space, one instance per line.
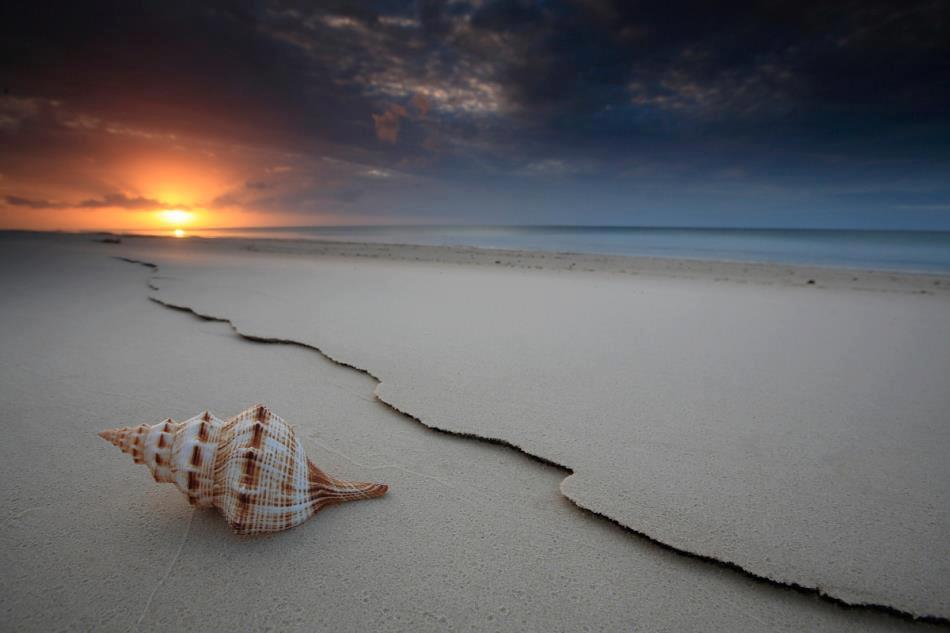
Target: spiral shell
252,468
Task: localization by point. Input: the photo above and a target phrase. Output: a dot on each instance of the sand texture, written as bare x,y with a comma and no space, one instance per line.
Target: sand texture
799,432
794,431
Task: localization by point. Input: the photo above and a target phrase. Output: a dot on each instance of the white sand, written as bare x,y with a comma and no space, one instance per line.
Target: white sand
796,431
472,534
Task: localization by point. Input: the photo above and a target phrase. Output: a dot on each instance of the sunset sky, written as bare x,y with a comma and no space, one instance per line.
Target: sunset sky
113,115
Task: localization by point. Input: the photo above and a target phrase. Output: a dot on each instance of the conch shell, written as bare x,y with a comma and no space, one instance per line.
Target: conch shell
252,468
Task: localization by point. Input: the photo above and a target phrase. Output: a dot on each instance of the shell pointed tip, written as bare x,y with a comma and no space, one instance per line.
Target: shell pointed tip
108,435
371,491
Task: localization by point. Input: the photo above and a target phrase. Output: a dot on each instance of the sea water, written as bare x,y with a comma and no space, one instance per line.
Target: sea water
926,251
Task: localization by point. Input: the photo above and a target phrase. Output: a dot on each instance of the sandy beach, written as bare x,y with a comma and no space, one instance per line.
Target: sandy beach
571,442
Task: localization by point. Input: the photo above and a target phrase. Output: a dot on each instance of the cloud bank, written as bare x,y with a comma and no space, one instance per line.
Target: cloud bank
498,111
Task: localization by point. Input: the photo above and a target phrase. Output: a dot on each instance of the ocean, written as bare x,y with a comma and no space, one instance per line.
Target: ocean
924,251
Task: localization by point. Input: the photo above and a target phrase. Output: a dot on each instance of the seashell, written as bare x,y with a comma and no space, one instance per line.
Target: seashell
252,468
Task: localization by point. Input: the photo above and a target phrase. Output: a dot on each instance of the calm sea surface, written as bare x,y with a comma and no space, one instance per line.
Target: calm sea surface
884,250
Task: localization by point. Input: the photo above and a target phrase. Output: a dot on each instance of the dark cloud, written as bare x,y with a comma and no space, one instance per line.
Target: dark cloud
497,93
121,201
387,123
108,201
421,104
17,201
226,200
349,194
432,17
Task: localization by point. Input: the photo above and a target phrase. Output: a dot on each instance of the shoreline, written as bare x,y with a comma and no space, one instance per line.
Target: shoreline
738,271
720,270
767,273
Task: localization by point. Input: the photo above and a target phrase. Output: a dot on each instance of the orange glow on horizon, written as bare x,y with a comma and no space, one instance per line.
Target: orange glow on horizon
176,217
179,233
186,187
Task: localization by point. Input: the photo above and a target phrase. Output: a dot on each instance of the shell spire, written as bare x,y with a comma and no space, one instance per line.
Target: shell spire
251,467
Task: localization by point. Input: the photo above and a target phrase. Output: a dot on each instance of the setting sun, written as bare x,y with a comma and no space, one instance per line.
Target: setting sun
175,217
179,233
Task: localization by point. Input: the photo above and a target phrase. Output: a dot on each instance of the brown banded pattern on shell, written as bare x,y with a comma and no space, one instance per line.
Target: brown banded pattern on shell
251,467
